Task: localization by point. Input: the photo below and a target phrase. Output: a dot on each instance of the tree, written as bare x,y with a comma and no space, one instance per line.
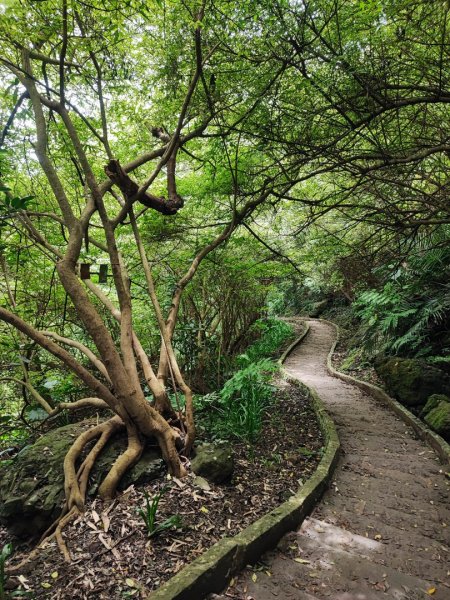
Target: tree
358,116
70,71
309,106
358,125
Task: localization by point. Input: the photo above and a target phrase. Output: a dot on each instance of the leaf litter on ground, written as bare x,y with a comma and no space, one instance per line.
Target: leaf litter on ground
109,543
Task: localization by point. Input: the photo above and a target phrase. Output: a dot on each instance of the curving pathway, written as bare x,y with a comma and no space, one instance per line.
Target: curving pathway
382,530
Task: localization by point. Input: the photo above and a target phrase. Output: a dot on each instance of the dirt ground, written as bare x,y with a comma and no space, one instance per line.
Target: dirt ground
112,554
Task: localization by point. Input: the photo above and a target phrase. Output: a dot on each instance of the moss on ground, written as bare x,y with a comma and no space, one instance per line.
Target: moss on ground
439,419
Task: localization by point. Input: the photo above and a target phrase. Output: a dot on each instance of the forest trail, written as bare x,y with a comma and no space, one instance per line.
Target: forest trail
382,530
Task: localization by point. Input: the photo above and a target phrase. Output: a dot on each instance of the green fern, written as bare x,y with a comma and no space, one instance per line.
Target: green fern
404,316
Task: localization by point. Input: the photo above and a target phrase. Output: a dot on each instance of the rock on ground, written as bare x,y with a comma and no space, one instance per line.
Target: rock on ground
412,381
214,463
438,418
32,484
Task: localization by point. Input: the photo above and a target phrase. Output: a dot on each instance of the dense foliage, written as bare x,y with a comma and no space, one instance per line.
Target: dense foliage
410,314
172,171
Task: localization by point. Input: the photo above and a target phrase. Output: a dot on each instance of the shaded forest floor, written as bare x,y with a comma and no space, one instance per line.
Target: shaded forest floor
112,554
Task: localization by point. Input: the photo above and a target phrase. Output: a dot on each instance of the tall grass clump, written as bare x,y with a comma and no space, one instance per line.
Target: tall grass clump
272,334
238,409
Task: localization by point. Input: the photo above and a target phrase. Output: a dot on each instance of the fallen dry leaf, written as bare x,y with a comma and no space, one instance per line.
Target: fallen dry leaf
106,521
95,516
302,561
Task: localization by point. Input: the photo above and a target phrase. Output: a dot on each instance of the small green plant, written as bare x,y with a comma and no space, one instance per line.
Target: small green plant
245,397
4,555
277,458
273,333
273,462
304,451
149,515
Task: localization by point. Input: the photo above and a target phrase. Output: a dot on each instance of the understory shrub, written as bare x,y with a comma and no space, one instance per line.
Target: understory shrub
410,315
238,409
272,334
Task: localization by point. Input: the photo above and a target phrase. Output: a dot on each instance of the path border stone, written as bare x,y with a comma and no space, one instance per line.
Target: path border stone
294,345
438,444
212,571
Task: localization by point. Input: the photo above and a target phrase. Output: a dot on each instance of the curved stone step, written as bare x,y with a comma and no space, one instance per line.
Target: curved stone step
397,534
346,569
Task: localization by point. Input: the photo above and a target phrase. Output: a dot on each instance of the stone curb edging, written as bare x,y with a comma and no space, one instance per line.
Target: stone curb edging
439,445
294,344
214,568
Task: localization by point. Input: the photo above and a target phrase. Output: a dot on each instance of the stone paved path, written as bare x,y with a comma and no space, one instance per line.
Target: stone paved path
382,530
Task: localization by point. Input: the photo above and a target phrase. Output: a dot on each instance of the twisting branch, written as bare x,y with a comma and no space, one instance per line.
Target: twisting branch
99,84
162,403
171,149
237,219
272,250
82,348
33,391
11,117
74,495
94,384
173,198
167,342
42,143
130,189
144,159
62,56
82,403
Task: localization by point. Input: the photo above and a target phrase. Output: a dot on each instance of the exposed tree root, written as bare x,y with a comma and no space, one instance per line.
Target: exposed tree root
74,486
131,455
89,461
166,440
58,533
47,536
76,479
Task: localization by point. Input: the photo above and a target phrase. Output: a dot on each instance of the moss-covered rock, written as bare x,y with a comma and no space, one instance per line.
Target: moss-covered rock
443,362
432,402
318,308
32,484
439,419
412,381
214,463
